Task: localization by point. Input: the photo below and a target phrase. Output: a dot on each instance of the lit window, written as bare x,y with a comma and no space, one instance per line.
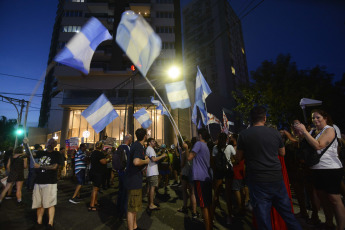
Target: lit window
242,50
233,71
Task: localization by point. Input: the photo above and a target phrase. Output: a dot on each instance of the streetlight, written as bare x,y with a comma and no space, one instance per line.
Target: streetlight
174,72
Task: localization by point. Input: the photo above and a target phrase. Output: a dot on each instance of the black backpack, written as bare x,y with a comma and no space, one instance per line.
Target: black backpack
221,163
119,159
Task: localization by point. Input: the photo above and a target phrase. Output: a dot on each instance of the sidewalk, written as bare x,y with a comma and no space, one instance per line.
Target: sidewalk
71,216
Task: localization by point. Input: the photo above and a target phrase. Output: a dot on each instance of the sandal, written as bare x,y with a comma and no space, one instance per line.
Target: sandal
92,209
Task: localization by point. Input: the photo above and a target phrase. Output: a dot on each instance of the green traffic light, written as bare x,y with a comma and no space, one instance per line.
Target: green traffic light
19,131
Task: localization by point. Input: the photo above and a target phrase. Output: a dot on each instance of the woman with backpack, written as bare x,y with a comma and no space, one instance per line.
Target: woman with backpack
223,169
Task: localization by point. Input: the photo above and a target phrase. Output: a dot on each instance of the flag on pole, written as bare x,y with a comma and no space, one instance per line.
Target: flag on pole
100,113
212,119
204,117
138,40
79,50
199,125
225,124
159,106
231,123
178,95
202,90
194,114
143,117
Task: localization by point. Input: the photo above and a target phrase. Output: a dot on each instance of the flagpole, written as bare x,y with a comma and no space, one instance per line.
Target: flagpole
166,108
208,125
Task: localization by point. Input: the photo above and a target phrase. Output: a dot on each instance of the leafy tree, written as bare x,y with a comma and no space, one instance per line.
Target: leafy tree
280,86
7,136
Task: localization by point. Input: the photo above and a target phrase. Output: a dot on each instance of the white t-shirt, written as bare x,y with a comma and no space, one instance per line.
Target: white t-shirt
152,168
229,151
329,159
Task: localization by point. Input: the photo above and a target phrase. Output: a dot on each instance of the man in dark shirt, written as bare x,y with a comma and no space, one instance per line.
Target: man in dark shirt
98,162
122,197
134,177
45,189
259,146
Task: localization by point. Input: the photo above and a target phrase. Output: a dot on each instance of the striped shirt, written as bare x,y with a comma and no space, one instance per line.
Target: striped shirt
79,161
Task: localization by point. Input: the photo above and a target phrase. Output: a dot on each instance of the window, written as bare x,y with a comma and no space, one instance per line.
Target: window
164,14
164,1
165,29
71,29
242,50
73,13
168,45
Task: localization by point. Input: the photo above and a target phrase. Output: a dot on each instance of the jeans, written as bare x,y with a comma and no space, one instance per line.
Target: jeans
122,197
31,178
264,195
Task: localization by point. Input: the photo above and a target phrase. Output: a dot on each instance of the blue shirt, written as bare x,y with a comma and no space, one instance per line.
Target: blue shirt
134,174
201,162
79,161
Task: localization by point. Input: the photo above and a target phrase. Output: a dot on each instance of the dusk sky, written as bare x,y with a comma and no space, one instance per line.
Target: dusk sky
312,31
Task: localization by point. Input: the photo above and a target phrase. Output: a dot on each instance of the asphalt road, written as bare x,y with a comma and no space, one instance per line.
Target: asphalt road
71,216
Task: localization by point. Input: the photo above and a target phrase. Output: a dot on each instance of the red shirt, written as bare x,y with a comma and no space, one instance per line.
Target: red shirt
239,171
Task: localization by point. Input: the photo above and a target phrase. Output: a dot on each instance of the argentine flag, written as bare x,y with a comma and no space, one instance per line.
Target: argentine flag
79,50
202,90
178,95
143,117
100,113
138,40
159,106
194,114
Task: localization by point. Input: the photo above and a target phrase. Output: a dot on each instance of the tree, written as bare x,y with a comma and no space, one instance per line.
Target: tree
7,136
280,86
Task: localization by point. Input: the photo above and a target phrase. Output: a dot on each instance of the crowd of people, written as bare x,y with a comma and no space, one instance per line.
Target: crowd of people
253,170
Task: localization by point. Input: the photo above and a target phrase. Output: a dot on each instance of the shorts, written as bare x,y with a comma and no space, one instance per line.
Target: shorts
327,180
44,195
237,185
97,179
135,200
217,175
152,181
188,179
203,193
164,172
81,177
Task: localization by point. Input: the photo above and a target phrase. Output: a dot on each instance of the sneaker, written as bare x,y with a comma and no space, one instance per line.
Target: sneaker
183,210
8,197
179,185
74,201
20,204
174,184
195,216
49,227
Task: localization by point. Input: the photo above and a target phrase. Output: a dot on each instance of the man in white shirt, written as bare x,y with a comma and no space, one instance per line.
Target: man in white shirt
152,172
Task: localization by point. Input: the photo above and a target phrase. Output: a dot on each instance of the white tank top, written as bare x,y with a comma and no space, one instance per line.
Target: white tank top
329,159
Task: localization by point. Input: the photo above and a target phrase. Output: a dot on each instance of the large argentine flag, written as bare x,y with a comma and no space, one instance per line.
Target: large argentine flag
178,95
79,50
100,113
202,90
143,117
138,40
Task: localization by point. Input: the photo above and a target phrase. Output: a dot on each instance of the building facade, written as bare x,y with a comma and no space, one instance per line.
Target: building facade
68,92
213,40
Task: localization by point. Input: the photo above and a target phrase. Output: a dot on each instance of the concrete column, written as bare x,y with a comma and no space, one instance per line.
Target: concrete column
65,127
130,121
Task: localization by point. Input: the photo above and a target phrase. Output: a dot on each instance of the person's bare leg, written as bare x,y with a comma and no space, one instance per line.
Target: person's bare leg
228,190
93,196
76,192
192,198
135,226
6,189
151,196
51,213
19,190
130,220
9,191
40,212
217,185
339,210
207,219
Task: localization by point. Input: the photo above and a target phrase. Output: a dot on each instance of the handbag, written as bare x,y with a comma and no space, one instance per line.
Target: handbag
309,155
4,181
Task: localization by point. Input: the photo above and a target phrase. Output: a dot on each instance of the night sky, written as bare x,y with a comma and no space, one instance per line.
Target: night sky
312,31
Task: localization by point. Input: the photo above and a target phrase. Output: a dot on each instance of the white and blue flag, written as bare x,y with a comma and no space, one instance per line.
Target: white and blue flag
138,40
199,125
202,90
195,114
143,117
159,106
100,113
79,50
178,95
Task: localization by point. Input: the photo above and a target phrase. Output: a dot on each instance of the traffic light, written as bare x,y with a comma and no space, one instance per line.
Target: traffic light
133,68
19,130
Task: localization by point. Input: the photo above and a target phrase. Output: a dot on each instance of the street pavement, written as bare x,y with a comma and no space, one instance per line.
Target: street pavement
76,216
